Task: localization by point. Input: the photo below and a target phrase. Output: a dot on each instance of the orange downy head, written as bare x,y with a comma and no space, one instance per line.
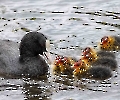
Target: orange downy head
89,55
62,63
80,67
107,43
79,64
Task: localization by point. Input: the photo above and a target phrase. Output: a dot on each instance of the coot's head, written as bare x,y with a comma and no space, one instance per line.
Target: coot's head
79,64
107,43
89,54
86,51
61,61
105,39
33,44
63,65
80,67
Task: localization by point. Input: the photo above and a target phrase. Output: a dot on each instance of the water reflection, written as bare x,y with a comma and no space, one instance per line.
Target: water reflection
48,88
30,89
36,91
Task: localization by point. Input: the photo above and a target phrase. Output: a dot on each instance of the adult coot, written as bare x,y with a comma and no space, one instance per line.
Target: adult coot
25,59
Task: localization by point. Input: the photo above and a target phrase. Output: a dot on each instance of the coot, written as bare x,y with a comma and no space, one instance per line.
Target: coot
84,69
26,59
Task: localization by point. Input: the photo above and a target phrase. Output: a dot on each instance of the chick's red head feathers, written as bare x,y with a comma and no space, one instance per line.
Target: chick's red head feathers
104,40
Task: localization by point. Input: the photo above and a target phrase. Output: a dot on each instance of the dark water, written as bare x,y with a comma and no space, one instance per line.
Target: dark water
71,25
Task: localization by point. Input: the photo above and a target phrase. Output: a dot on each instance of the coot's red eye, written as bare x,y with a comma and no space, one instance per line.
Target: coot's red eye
104,39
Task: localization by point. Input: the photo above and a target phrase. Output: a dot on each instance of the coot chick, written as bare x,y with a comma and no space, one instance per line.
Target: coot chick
82,69
96,65
90,51
29,62
110,43
62,65
102,58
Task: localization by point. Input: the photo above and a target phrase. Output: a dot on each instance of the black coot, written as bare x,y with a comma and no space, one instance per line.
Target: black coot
25,59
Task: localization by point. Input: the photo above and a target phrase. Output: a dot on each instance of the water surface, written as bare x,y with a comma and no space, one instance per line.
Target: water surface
71,26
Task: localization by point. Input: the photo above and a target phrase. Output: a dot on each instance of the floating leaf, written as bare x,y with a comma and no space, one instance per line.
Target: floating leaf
75,19
25,29
32,18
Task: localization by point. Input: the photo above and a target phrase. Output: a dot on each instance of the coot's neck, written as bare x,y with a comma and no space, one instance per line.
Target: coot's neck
23,57
27,51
